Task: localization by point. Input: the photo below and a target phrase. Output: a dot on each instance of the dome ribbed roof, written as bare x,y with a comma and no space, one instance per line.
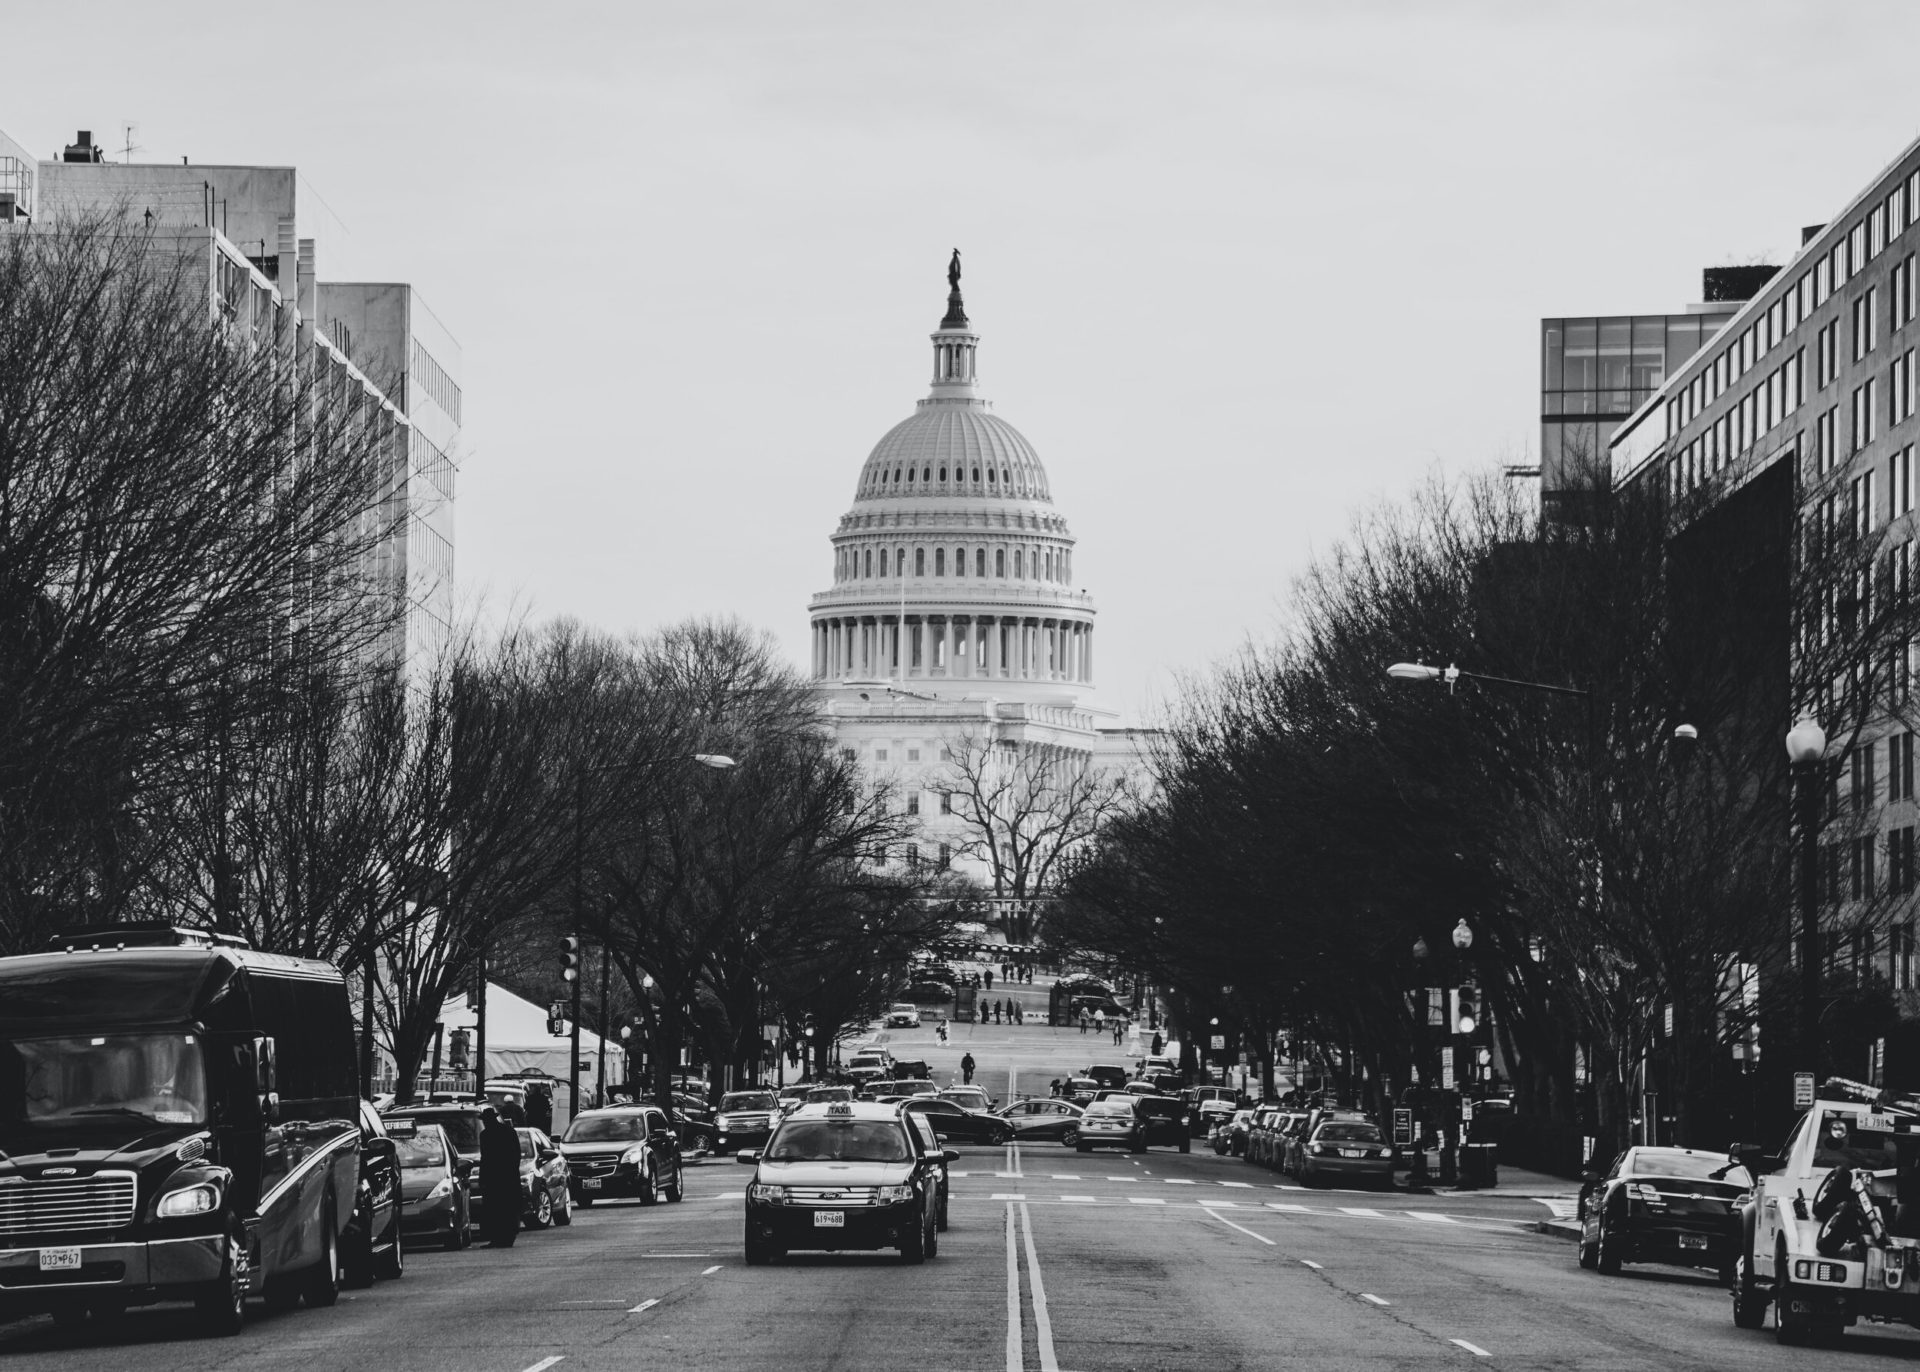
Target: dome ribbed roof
949,448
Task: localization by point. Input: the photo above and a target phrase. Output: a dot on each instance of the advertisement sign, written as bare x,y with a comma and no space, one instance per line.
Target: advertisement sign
1403,1127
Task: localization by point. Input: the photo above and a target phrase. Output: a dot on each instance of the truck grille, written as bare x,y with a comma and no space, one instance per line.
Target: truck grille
102,1201
830,1195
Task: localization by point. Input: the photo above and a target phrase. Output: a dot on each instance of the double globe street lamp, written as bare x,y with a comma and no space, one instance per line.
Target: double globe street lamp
1806,748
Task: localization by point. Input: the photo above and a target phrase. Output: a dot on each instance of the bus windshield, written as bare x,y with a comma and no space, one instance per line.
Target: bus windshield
160,1078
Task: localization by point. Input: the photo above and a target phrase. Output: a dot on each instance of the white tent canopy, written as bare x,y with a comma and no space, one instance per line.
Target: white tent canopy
518,1041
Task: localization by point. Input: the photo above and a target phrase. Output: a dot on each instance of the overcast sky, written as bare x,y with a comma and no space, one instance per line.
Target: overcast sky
1240,270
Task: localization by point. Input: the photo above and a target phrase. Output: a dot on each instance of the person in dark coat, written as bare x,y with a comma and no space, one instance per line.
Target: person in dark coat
499,1180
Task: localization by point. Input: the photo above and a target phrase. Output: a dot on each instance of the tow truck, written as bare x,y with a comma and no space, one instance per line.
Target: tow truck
1830,1233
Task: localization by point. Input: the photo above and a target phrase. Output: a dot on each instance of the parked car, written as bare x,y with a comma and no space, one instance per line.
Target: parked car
625,1150
869,1064
433,1191
1672,1205
745,1119
1230,1134
1108,1075
1261,1129
1348,1150
1112,1123
1036,1121
903,1015
1208,1114
955,1122
372,1244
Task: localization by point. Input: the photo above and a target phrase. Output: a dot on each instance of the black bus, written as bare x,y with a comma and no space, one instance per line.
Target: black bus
178,1121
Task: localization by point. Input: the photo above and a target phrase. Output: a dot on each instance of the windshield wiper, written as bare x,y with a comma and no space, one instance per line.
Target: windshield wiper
115,1110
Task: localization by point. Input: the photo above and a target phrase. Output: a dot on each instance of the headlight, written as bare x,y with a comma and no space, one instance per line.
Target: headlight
189,1200
892,1195
633,1155
442,1189
761,1191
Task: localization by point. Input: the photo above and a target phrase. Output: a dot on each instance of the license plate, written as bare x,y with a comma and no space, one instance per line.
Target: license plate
1353,1152
829,1219
1693,1240
59,1259
589,1183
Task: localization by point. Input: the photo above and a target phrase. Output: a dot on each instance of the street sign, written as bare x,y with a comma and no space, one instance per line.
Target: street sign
1446,1069
1466,1112
1219,1043
1802,1090
1403,1127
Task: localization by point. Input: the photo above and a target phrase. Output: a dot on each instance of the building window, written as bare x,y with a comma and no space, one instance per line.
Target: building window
913,802
1826,440
1900,482
1861,505
1900,767
1865,416
1019,564
1826,358
848,755
1860,787
979,561
939,561
1000,557
913,755
919,561
1860,868
883,562
946,856
869,571
913,857
879,754
1900,940
946,802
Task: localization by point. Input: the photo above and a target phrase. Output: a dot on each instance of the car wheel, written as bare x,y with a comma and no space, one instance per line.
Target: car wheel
1790,1326
1589,1255
356,1258
222,1306
563,1209
1749,1304
542,1215
323,1283
940,1219
392,1264
649,1188
678,1190
1070,1135
1608,1261
913,1251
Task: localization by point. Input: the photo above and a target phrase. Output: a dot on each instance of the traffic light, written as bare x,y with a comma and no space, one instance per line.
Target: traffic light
557,1019
1466,1009
570,957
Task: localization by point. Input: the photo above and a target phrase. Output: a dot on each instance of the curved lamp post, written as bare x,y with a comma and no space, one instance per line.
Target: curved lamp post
1806,747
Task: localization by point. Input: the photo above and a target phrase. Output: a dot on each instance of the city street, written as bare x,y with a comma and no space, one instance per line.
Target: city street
1054,1260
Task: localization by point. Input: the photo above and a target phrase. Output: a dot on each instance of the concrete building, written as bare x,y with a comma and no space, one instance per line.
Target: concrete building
242,223
953,630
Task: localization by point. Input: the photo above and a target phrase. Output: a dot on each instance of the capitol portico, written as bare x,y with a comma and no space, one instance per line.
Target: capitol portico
953,615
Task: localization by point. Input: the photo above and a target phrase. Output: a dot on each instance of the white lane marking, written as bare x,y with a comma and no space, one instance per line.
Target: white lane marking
1368,1296
1472,1348
676,1255
545,1363
1042,1323
1361,1210
1309,1262
1119,1179
1290,1209
1247,1184
1081,1200
1241,1227
1007,1196
952,1173
1015,1361
1218,1205
1063,1176
1431,1217
711,1270
1145,1200
644,1305
1181,1181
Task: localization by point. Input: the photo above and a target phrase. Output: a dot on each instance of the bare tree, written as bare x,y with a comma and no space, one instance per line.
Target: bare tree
1029,808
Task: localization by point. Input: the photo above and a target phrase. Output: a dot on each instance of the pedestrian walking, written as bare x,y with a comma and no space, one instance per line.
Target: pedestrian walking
966,1070
1158,1044
1085,1021
989,978
499,1180
1053,1089
1100,1020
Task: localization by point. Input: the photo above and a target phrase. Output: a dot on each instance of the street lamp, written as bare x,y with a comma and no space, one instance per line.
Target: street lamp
1462,936
719,762
1450,674
1806,747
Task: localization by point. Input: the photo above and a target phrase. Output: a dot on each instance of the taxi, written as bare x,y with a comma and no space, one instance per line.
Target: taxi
843,1175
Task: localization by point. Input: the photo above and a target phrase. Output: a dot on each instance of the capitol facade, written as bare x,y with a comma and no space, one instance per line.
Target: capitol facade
953,628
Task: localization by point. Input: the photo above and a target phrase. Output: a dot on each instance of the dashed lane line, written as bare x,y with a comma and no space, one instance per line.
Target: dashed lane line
1007,1196
711,1270
1360,1210
1081,1200
1181,1181
1309,1262
1042,1322
1290,1209
545,1363
644,1305
1472,1348
1247,1184
1016,1361
1145,1200
1369,1296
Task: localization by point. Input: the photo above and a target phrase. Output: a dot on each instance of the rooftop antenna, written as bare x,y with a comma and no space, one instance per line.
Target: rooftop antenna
127,146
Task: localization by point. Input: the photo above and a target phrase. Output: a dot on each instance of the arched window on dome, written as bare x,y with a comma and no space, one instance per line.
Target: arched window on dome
909,476
999,554
976,476
939,561
1019,565
900,560
990,476
1066,574
896,476
919,561
926,473
869,571
959,561
1050,575
943,474
883,562
979,561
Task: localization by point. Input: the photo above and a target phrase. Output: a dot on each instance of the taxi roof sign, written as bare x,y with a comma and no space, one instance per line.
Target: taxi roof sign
839,1107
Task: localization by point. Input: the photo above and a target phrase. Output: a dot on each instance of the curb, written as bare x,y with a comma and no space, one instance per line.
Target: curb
1559,1229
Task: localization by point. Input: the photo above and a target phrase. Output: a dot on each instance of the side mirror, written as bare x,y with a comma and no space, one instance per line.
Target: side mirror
747,1156
950,1154
1589,1178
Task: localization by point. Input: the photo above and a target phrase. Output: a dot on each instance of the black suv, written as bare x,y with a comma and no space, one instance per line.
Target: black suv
845,1176
625,1150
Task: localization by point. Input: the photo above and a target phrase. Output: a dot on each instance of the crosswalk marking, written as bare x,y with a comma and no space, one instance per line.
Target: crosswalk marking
1081,1200
1362,1211
1181,1181
1063,1176
1282,1205
1430,1217
1008,1196
1247,1184
1145,1200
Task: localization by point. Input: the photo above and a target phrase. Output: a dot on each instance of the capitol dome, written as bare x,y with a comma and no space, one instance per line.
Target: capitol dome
952,570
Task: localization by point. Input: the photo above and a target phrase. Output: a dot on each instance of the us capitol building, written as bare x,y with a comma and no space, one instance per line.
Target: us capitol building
953,621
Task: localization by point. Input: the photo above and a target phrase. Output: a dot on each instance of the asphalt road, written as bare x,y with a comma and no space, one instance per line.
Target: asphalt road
1054,1260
